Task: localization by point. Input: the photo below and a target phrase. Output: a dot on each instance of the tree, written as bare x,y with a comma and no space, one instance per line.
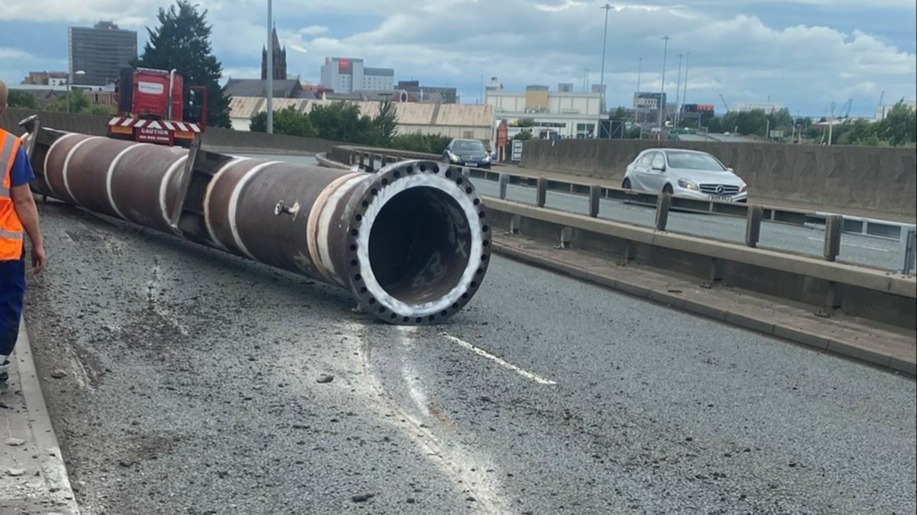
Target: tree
73,102
286,121
780,120
341,121
899,126
522,136
428,143
524,122
17,98
715,125
182,43
385,123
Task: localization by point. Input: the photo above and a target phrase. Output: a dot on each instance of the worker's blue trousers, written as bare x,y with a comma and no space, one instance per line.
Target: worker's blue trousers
12,290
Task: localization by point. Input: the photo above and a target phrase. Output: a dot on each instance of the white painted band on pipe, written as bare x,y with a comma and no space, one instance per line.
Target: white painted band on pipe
317,226
56,142
66,169
234,205
108,178
164,187
386,194
207,195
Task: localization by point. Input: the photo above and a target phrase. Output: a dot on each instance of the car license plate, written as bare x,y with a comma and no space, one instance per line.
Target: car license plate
471,163
720,197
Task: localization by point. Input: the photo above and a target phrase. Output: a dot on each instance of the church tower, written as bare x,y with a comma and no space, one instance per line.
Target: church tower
279,59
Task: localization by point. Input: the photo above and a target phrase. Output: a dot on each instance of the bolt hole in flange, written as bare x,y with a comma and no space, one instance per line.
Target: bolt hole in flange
421,247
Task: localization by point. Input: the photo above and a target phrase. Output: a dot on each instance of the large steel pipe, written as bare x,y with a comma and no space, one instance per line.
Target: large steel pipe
411,241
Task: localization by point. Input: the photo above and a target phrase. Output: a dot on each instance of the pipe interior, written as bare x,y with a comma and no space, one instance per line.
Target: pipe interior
419,245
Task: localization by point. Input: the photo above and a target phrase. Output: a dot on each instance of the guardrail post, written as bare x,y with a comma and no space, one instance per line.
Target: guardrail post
515,224
503,182
715,273
595,195
372,164
834,227
753,225
541,192
908,246
566,236
663,203
630,253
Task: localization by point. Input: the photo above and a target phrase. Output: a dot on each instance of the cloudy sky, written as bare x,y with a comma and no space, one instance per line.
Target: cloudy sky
803,54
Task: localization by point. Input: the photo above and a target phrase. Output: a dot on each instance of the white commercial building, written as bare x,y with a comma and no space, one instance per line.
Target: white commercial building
346,75
768,108
565,113
882,111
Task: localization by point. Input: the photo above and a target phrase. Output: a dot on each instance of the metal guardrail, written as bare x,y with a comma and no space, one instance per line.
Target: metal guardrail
834,224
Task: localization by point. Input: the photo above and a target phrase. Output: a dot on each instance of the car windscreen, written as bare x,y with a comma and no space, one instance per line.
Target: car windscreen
694,161
468,146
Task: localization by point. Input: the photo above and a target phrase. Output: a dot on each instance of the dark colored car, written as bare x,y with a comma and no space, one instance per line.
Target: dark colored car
467,152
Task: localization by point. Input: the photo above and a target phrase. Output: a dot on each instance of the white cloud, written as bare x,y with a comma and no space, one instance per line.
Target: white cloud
831,49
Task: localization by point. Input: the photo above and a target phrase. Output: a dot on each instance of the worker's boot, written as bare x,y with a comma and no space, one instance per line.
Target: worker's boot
4,374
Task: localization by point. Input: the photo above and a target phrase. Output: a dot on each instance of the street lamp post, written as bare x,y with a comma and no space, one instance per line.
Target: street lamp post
607,8
270,70
662,91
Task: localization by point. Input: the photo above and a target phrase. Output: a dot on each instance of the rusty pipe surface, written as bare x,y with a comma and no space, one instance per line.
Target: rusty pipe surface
411,242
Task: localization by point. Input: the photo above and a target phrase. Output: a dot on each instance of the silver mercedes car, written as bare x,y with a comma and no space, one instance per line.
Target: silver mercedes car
687,173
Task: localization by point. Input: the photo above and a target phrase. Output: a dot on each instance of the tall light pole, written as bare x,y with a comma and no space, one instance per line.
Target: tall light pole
662,91
678,91
607,8
270,69
639,100
684,95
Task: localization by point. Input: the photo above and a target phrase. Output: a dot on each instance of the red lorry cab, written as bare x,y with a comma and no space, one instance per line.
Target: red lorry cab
150,91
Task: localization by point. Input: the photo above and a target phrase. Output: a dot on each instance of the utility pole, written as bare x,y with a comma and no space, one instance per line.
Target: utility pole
270,70
607,8
684,96
639,99
662,92
678,91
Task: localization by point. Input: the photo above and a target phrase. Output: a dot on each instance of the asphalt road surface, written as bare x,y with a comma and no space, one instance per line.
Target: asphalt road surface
182,380
864,250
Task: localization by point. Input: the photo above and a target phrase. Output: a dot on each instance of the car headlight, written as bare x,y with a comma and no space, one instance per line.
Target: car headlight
743,187
486,158
451,156
688,185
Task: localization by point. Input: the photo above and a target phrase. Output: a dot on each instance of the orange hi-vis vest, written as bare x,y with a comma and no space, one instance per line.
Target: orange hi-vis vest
10,225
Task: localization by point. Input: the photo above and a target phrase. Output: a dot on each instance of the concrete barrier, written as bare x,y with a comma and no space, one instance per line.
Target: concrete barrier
824,285
873,178
83,123
214,137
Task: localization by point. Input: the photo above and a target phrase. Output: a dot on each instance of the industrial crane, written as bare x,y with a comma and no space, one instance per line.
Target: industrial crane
846,108
724,102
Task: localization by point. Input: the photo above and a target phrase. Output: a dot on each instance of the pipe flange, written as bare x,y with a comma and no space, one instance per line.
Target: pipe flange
448,275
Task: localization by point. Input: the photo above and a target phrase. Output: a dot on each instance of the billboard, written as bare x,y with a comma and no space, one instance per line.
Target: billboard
697,108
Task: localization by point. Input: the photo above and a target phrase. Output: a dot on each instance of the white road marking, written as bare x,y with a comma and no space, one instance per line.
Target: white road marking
455,457
481,352
867,247
415,389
